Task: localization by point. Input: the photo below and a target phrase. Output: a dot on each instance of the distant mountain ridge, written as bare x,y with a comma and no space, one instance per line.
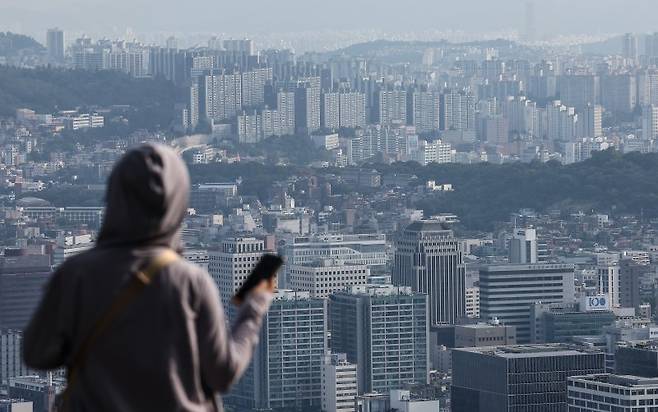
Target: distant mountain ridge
12,44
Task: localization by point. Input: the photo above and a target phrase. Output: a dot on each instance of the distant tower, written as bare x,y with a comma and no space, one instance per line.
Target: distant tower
529,32
172,43
55,45
629,48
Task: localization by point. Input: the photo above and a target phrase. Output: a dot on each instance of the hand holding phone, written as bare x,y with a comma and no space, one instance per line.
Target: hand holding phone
263,277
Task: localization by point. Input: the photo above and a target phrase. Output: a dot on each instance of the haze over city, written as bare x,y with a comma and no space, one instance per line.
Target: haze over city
107,18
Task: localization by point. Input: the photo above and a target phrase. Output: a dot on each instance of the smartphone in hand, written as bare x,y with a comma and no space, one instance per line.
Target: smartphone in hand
266,268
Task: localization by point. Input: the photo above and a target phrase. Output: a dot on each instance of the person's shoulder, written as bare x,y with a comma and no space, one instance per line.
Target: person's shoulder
197,275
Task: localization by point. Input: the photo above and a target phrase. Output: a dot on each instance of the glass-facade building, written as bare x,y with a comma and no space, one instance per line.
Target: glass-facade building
518,378
384,329
286,372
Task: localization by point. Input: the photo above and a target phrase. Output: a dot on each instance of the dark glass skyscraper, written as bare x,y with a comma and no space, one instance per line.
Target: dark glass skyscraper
429,259
518,378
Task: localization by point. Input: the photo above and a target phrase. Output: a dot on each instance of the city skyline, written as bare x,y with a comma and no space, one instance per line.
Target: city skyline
548,19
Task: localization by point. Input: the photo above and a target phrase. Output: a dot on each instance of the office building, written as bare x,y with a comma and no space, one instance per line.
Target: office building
523,246
339,383
40,391
15,405
68,246
355,249
403,401
22,279
633,277
609,392
230,265
639,359
429,259
507,291
55,45
608,282
286,371
473,302
324,277
561,323
373,402
518,378
384,330
11,356
484,334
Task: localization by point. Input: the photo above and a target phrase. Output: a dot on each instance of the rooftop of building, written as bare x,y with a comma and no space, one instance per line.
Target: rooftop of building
522,267
530,351
481,325
619,380
434,225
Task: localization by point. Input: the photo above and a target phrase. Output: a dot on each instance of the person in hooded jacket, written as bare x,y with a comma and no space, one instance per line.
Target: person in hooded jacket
170,349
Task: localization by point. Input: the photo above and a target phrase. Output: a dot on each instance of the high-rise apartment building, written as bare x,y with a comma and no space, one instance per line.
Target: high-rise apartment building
253,86
457,110
518,378
429,259
650,122
330,110
352,109
55,45
221,95
590,121
425,110
629,47
507,291
578,90
285,106
307,105
390,107
384,329
619,93
339,383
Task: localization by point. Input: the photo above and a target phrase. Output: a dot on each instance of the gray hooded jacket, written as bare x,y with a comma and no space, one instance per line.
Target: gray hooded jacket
170,349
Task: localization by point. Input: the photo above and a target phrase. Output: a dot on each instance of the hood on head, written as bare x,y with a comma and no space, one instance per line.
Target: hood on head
147,197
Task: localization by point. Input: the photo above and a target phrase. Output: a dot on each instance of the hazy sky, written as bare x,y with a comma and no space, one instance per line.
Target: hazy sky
259,16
